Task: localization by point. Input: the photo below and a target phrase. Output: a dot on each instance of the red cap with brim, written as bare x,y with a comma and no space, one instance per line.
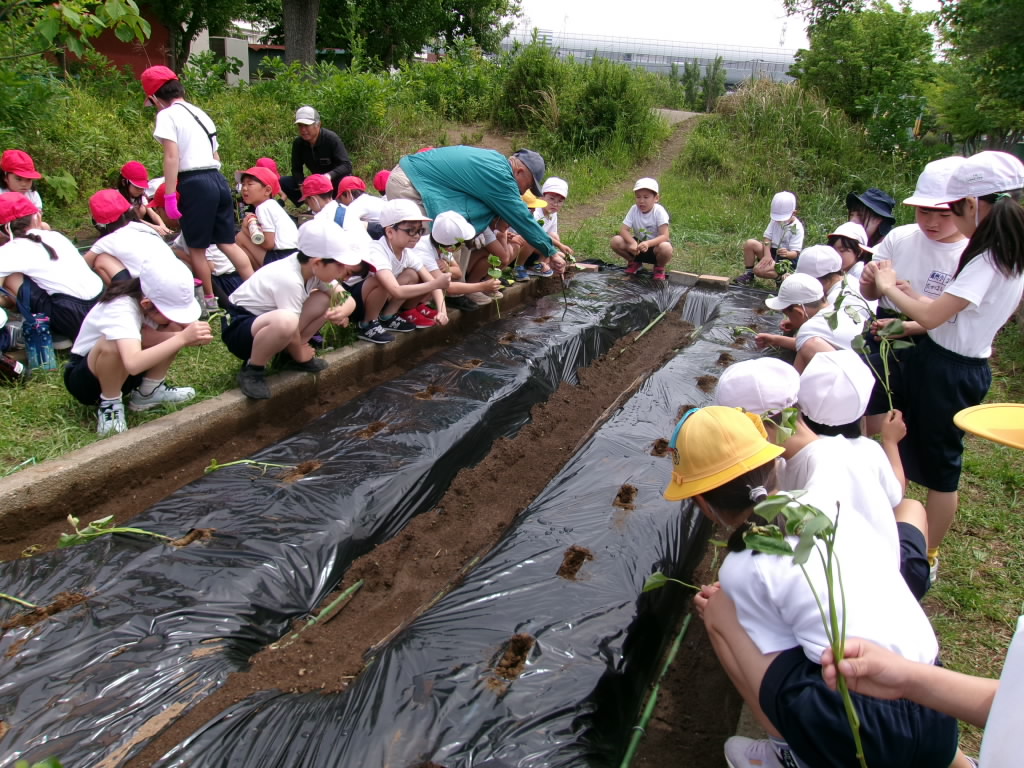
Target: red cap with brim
348,183
136,173
20,164
316,185
267,176
380,181
153,79
268,162
107,206
14,205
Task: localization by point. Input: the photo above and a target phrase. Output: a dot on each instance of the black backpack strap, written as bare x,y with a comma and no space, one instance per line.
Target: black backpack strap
201,125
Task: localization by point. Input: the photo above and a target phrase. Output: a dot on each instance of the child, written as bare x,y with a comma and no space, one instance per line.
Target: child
380,182
397,277
361,210
43,269
132,184
783,238
763,617
851,243
226,279
825,263
280,235
872,210
554,192
279,309
126,243
643,236
129,340
19,175
947,370
318,195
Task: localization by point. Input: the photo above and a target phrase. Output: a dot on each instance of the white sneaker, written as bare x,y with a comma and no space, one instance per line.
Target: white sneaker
162,395
111,419
741,752
479,298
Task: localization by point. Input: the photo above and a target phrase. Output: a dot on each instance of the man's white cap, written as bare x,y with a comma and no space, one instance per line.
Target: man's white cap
783,206
321,238
558,186
451,227
306,116
647,183
395,211
835,387
169,284
763,385
985,174
930,191
798,288
818,261
854,231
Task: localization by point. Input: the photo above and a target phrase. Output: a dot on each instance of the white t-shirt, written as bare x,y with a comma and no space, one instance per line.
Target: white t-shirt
32,195
993,298
133,245
278,285
833,463
645,226
195,150
1000,746
273,218
927,265
219,263
875,467
380,256
328,211
68,274
776,607
786,235
548,221
363,209
851,287
426,255
817,327
119,318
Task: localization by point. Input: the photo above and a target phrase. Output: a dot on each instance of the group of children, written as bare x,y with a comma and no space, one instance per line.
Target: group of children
952,279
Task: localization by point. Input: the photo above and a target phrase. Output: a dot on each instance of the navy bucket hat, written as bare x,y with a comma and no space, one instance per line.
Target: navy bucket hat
876,200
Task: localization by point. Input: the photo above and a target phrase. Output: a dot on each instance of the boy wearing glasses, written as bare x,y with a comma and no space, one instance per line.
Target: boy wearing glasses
397,277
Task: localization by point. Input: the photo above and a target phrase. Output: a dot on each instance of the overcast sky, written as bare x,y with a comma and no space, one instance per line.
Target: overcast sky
736,22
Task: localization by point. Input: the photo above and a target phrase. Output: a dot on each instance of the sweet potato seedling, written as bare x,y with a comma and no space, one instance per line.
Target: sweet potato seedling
264,466
495,272
97,528
657,580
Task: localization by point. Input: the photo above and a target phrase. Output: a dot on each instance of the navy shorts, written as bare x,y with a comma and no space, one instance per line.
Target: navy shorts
66,313
812,720
936,384
225,285
83,384
237,335
356,292
207,210
276,254
914,559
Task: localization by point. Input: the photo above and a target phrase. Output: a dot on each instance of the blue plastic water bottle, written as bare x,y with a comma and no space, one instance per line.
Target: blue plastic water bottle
39,343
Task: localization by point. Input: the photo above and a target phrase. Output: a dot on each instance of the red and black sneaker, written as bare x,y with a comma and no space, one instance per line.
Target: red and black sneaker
420,321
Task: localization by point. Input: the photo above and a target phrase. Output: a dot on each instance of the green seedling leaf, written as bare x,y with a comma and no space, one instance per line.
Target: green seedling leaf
895,328
859,345
900,344
657,580
493,260
774,505
739,330
832,318
50,762
769,545
493,272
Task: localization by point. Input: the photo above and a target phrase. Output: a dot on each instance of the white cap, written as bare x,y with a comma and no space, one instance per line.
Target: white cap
559,186
854,231
796,289
835,387
783,206
818,261
930,191
321,238
985,174
169,284
647,183
451,227
306,116
395,211
763,385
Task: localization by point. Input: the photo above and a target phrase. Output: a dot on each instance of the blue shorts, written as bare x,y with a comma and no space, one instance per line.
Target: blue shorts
914,559
237,335
83,385
812,720
936,385
207,209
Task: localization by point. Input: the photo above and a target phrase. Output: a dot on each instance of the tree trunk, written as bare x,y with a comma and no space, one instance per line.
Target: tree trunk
300,30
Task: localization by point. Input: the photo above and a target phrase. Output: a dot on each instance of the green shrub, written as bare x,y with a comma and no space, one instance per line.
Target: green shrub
706,154
528,73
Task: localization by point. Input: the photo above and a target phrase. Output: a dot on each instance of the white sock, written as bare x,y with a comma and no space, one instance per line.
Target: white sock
107,402
148,386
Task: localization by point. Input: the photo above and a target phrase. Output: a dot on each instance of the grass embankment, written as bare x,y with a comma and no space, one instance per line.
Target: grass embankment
765,139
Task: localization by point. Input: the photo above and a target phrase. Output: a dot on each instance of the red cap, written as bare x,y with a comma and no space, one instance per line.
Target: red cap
20,164
267,176
317,184
108,205
349,183
14,205
157,201
268,162
424,149
380,181
154,77
136,173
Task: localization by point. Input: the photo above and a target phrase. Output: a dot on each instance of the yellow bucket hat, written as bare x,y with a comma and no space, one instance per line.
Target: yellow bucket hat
714,445
532,201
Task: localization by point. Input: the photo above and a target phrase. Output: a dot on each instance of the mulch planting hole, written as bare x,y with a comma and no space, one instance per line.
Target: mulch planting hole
371,429
726,359
301,470
626,497
62,602
196,534
430,392
513,660
683,409
510,338
660,447
575,557
707,383
542,318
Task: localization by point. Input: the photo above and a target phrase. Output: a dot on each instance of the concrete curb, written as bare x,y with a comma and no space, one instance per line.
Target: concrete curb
76,481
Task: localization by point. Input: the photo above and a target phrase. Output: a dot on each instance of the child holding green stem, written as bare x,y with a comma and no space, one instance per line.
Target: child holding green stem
764,622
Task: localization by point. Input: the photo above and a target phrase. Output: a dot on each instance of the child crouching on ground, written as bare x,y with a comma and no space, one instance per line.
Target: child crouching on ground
643,236
554,193
132,185
783,238
764,622
281,307
125,243
279,234
129,340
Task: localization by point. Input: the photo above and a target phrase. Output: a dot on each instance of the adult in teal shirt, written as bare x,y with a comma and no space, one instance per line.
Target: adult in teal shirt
477,183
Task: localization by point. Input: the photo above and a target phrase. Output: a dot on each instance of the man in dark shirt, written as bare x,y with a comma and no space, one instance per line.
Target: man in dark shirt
317,149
